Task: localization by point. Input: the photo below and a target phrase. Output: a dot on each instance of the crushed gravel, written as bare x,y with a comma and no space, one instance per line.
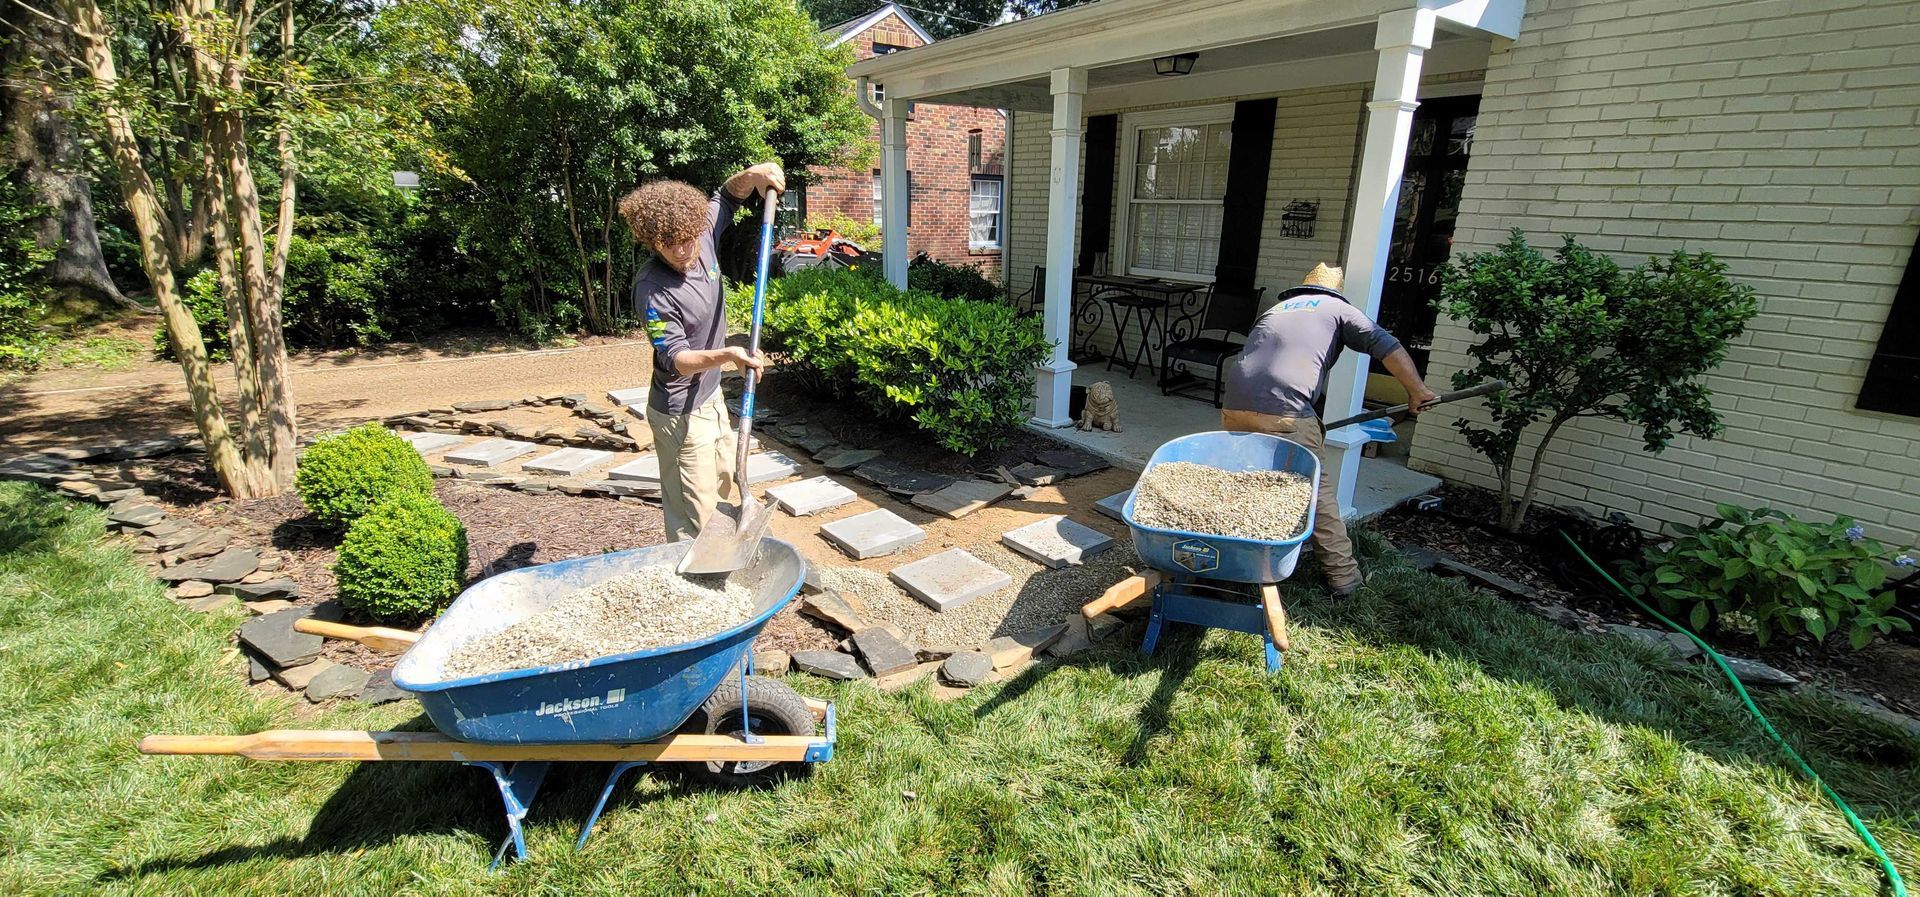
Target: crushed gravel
1040,597
647,608
1270,505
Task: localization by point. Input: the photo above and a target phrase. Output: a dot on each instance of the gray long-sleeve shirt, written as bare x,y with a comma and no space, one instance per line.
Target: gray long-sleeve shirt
685,311
1283,369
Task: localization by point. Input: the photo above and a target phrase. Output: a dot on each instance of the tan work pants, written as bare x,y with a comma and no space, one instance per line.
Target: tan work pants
696,452
1330,539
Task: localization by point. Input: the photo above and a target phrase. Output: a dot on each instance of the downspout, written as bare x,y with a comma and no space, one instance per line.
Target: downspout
863,95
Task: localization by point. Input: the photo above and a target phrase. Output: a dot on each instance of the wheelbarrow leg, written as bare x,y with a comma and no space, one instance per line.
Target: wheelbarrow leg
606,791
1154,622
1276,635
518,783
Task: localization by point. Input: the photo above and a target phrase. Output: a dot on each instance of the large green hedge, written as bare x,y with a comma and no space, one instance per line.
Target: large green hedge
345,475
961,370
402,560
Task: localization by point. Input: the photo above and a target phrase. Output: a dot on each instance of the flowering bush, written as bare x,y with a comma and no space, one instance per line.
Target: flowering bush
1778,572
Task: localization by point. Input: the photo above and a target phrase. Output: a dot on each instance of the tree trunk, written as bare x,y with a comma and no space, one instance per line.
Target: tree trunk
156,255
1533,476
239,332
51,165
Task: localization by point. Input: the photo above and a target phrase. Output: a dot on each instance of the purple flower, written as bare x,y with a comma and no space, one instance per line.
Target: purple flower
1905,561
1856,532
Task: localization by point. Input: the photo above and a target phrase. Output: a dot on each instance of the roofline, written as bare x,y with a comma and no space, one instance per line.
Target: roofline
873,18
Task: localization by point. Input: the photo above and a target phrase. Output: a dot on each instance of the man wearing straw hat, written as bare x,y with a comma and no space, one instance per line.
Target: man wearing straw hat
1275,382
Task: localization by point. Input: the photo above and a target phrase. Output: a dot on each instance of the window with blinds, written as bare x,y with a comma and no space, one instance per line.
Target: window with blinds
1176,188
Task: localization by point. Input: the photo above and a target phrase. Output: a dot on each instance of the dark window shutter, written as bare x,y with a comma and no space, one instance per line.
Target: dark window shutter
1246,202
1096,191
1893,377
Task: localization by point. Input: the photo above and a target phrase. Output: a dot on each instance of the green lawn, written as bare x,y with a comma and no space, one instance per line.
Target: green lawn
1422,740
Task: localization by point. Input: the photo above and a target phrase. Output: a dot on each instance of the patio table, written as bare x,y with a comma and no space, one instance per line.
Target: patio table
1143,299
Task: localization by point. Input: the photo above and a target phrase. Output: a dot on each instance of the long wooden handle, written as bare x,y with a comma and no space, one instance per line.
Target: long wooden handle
1123,593
1491,386
324,744
1276,615
744,427
379,638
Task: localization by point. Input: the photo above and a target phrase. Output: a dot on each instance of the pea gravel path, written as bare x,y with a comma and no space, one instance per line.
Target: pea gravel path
1041,596
1255,504
648,608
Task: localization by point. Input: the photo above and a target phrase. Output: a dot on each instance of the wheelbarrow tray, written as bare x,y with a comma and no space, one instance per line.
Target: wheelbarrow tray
1225,558
622,698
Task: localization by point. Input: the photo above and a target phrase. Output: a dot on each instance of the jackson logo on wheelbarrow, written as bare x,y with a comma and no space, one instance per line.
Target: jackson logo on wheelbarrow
1196,556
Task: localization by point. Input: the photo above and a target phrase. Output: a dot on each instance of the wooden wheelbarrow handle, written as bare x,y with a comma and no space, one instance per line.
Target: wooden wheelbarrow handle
1123,593
379,638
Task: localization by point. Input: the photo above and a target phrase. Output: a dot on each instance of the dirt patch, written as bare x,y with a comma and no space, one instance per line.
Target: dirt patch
1269,505
648,608
1888,670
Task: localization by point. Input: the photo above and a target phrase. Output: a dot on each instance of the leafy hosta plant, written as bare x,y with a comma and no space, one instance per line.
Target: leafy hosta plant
1779,572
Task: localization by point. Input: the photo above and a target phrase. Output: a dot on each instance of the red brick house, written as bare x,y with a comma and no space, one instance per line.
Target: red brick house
956,162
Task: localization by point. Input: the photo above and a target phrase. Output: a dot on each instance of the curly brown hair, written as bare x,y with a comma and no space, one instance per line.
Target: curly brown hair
663,212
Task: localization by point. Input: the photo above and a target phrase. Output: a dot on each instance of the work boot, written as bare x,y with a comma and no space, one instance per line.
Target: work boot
1346,588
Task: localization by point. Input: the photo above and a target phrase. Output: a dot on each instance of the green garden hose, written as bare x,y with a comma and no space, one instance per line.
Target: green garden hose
1898,886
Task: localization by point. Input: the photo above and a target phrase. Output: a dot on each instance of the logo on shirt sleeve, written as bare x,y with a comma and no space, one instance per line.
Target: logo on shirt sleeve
656,327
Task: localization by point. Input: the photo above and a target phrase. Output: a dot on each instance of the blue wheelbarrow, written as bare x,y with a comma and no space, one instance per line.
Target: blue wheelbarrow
693,703
1222,582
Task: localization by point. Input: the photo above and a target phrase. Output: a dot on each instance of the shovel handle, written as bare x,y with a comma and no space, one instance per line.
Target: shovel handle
1491,386
379,638
753,345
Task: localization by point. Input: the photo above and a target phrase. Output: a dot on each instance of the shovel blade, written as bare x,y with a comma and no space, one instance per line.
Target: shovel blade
728,539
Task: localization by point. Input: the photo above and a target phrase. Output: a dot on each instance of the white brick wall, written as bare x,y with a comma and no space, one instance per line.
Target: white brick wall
1781,135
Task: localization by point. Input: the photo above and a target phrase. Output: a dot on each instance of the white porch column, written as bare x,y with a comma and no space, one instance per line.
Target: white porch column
1053,386
893,190
1403,37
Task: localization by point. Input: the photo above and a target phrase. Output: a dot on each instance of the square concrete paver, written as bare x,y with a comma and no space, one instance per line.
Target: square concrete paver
872,534
950,579
490,452
1114,504
566,462
811,496
428,443
633,395
766,467
645,468
1057,541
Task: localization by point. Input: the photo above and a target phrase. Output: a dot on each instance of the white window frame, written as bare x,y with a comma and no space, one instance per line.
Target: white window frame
999,212
1130,126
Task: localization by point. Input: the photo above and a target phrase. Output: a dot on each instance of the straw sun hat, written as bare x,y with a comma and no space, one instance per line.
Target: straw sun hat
1326,277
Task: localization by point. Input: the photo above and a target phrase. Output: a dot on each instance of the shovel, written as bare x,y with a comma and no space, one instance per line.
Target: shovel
1374,426
731,534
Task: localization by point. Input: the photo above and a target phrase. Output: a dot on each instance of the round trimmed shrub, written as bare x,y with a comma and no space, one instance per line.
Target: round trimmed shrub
344,475
403,560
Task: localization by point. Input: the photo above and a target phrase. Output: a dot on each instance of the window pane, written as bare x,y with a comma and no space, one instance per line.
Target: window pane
1144,184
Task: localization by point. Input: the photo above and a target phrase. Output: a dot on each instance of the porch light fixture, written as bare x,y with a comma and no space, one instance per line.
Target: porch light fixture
1174,65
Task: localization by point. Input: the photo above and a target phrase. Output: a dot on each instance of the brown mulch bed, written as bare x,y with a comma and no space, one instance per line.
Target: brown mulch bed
506,530
1887,670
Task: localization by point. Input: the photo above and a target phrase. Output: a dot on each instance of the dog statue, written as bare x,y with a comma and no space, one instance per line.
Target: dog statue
1102,412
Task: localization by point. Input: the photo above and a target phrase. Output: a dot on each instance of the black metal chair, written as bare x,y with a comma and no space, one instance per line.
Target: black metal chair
1032,299
1227,313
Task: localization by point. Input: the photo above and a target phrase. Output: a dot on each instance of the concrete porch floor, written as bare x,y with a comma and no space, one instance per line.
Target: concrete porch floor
1150,419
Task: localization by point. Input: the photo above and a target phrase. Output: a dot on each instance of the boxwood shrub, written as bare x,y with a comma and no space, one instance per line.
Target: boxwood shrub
961,370
344,475
402,560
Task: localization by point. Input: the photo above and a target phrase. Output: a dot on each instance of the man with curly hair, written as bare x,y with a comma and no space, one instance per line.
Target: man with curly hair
677,293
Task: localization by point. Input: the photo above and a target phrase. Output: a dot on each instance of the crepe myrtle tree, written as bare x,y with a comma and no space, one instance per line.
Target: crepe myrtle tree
1576,336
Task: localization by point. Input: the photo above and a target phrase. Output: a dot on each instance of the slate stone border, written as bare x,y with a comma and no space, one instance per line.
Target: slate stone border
607,427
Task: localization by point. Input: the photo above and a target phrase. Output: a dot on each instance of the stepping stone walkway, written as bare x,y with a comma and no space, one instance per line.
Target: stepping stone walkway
828,664
1114,505
847,459
961,498
227,566
566,462
950,579
1057,541
769,466
428,443
872,534
633,395
645,468
811,496
490,453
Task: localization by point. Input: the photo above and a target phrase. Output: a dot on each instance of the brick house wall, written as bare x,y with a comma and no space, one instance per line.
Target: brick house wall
1782,136
940,167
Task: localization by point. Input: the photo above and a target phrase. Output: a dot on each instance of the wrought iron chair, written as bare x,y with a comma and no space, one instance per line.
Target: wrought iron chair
1030,300
1206,338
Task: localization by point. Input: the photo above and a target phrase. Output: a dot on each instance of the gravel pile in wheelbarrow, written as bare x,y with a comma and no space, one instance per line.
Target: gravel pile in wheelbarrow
649,608
1270,505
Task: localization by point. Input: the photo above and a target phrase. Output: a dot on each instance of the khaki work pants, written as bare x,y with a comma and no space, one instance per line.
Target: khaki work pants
696,452
1330,539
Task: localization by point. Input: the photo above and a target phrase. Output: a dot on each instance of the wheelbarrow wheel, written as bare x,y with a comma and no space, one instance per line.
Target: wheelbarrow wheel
773,707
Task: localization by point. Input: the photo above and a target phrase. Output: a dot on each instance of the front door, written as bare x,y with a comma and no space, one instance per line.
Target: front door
1423,225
